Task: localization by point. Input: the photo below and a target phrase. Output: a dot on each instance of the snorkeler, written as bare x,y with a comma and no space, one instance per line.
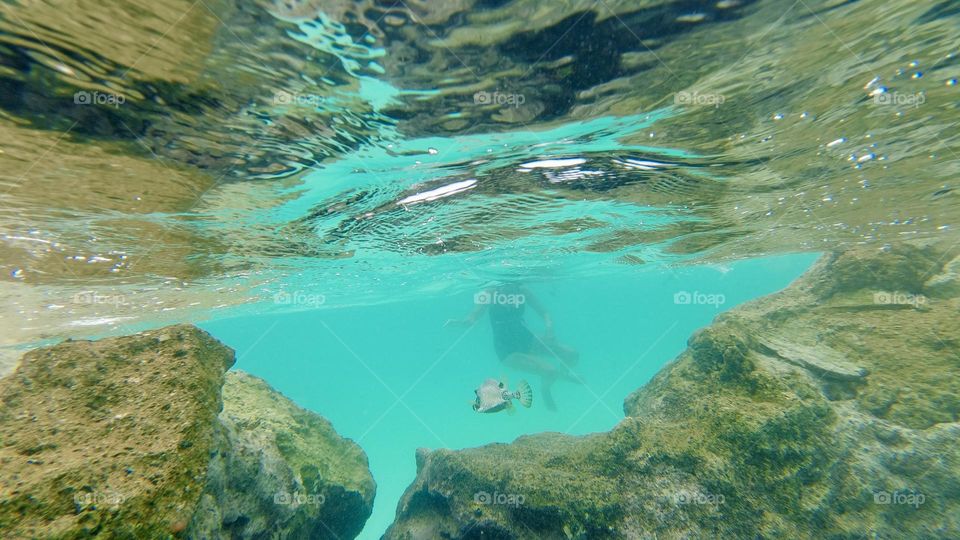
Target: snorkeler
517,346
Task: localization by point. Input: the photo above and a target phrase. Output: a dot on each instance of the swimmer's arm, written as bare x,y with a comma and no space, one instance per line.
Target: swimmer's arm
476,313
470,319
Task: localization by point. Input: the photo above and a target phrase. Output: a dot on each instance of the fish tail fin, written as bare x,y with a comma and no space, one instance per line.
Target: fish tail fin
525,394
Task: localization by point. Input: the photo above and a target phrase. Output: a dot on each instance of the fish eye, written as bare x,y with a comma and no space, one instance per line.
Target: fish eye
500,385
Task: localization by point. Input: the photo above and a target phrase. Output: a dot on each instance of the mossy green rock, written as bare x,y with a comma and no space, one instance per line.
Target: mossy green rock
131,438
281,471
828,410
110,438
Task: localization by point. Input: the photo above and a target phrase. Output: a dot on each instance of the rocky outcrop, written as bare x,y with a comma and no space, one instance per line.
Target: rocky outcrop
828,410
109,437
280,472
129,438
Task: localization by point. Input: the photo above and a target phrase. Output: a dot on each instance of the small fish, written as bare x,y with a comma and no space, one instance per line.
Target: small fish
493,396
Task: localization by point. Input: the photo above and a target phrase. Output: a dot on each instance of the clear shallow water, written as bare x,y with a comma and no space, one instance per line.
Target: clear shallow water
392,378
218,156
319,174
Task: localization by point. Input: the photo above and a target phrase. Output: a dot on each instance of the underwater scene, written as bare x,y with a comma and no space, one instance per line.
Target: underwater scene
480,269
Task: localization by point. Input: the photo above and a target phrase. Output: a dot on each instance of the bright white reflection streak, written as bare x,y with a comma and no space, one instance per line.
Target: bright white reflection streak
439,193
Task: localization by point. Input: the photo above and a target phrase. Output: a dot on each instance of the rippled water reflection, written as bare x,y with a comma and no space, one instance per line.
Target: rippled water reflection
175,156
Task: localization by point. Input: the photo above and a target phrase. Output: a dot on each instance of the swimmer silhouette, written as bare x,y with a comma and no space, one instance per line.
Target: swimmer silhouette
515,344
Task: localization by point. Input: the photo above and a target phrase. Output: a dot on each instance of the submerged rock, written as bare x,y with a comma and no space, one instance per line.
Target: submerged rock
127,438
109,437
788,417
281,470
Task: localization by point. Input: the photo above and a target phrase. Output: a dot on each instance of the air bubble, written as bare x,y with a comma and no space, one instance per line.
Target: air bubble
841,140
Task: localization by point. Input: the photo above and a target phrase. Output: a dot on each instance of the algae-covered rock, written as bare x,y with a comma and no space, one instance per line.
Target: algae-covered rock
109,438
129,438
281,471
828,410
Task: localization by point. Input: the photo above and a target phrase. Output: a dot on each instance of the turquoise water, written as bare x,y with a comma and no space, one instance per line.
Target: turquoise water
393,378
323,185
